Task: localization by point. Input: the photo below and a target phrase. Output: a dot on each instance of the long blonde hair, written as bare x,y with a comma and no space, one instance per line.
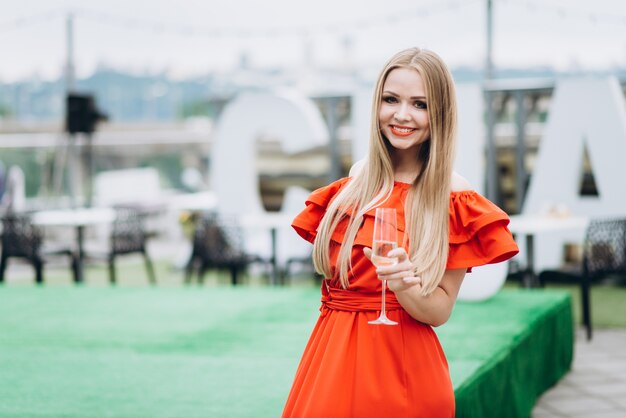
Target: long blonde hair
428,199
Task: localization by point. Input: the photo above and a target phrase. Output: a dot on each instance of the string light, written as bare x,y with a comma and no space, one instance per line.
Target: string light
429,9
544,7
25,21
422,11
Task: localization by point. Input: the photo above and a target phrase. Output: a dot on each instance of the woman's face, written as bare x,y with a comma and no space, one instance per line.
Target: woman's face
403,114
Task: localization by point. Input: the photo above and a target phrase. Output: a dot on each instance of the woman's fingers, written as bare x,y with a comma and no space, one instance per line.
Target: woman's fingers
395,275
400,253
399,276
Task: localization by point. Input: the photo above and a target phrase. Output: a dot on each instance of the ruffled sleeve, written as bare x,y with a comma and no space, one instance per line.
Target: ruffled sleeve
478,232
307,221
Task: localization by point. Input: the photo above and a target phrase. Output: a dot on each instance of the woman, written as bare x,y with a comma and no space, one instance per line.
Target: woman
354,369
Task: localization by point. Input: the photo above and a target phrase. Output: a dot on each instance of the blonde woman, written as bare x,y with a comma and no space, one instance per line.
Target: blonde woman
354,369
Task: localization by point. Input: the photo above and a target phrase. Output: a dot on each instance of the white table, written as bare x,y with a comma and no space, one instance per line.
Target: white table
530,225
76,218
200,201
270,221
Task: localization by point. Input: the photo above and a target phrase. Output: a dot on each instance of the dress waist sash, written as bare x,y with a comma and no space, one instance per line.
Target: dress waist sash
348,300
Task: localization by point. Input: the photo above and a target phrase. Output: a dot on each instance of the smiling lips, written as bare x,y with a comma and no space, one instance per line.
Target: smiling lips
401,130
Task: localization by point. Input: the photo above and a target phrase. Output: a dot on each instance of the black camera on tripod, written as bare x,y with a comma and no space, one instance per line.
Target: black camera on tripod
81,114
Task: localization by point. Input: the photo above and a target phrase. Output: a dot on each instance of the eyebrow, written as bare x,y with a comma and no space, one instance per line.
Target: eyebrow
412,98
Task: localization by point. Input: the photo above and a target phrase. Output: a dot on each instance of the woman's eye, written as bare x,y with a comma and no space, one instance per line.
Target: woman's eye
389,99
421,105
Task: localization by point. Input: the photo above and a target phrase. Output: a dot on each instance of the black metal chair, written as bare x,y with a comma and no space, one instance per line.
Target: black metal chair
128,236
23,240
218,244
604,254
306,263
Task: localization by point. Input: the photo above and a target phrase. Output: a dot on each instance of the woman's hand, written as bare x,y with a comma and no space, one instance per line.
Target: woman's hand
400,276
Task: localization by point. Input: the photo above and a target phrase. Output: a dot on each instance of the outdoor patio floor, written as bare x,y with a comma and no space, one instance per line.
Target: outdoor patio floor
596,385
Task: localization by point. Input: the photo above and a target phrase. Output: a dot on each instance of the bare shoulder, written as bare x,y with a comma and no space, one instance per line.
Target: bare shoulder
356,167
459,183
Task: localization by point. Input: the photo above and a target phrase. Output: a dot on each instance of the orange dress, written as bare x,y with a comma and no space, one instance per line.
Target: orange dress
351,369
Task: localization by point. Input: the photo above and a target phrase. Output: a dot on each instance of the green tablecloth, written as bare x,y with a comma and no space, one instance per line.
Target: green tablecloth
232,352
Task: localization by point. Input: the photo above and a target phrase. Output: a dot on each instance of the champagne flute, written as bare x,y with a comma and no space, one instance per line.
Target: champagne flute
385,240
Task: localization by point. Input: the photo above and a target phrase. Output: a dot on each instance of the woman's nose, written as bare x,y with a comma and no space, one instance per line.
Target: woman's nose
401,115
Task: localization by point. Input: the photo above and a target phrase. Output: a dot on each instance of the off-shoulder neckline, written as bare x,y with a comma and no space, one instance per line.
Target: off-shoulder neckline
453,192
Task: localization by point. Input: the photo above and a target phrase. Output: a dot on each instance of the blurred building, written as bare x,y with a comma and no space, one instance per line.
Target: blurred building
168,125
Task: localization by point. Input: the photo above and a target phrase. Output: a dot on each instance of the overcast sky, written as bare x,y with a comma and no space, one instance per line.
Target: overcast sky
186,37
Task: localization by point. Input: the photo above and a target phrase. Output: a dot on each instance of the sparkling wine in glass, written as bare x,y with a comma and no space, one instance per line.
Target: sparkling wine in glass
385,240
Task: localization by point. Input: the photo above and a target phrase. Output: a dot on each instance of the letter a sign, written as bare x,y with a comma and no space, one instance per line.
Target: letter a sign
585,114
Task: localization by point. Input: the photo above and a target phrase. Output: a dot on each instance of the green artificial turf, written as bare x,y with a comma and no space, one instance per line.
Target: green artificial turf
140,352
216,351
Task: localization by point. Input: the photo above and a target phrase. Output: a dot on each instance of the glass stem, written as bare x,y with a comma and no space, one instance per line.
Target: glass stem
383,312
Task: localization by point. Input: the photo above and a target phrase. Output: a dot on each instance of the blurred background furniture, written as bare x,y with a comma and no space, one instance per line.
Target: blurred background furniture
272,222
127,236
184,211
218,244
531,225
134,188
75,218
604,254
305,263
22,239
